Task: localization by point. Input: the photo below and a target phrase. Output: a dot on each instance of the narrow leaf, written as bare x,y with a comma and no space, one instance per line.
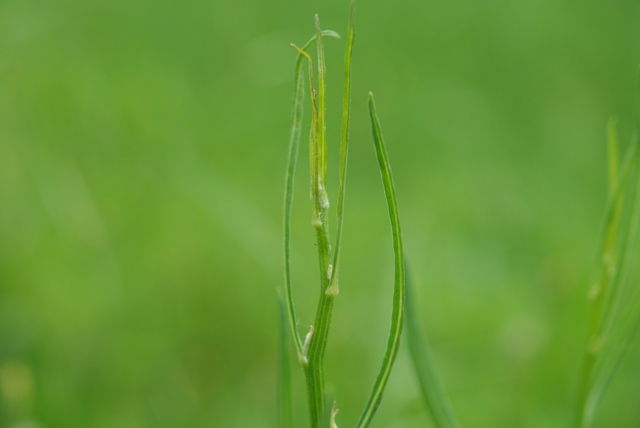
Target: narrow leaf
322,107
397,315
344,145
617,254
622,262
601,292
621,335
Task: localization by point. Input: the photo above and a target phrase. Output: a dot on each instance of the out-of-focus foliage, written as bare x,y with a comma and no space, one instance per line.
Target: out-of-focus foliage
142,155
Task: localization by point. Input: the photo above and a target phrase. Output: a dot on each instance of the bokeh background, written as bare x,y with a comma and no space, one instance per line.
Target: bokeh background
142,154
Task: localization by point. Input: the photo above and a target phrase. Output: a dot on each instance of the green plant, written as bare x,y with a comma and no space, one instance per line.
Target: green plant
615,318
311,350
615,315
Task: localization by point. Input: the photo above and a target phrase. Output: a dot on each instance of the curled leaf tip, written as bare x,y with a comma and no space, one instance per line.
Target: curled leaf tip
302,51
331,33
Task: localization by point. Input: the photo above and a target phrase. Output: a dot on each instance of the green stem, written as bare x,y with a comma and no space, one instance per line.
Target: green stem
284,383
294,145
314,368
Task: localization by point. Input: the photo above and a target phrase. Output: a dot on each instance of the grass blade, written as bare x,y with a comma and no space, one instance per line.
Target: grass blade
604,350
294,145
618,288
622,335
601,295
399,281
322,103
432,391
344,145
611,300
284,378
607,293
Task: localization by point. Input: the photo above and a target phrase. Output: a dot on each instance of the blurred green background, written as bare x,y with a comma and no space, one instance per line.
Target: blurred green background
142,155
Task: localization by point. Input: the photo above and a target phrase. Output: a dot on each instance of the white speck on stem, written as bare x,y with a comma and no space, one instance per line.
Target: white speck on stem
333,290
324,199
307,340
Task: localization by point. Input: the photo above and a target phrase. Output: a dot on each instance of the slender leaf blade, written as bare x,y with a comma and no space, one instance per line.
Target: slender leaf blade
344,146
620,333
617,254
623,261
397,315
322,103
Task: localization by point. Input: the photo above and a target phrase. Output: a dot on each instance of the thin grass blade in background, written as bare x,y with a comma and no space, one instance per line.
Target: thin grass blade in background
600,293
430,384
617,295
397,315
631,325
608,340
623,320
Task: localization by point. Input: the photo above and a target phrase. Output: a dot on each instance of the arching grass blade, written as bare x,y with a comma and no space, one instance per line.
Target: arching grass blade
397,315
